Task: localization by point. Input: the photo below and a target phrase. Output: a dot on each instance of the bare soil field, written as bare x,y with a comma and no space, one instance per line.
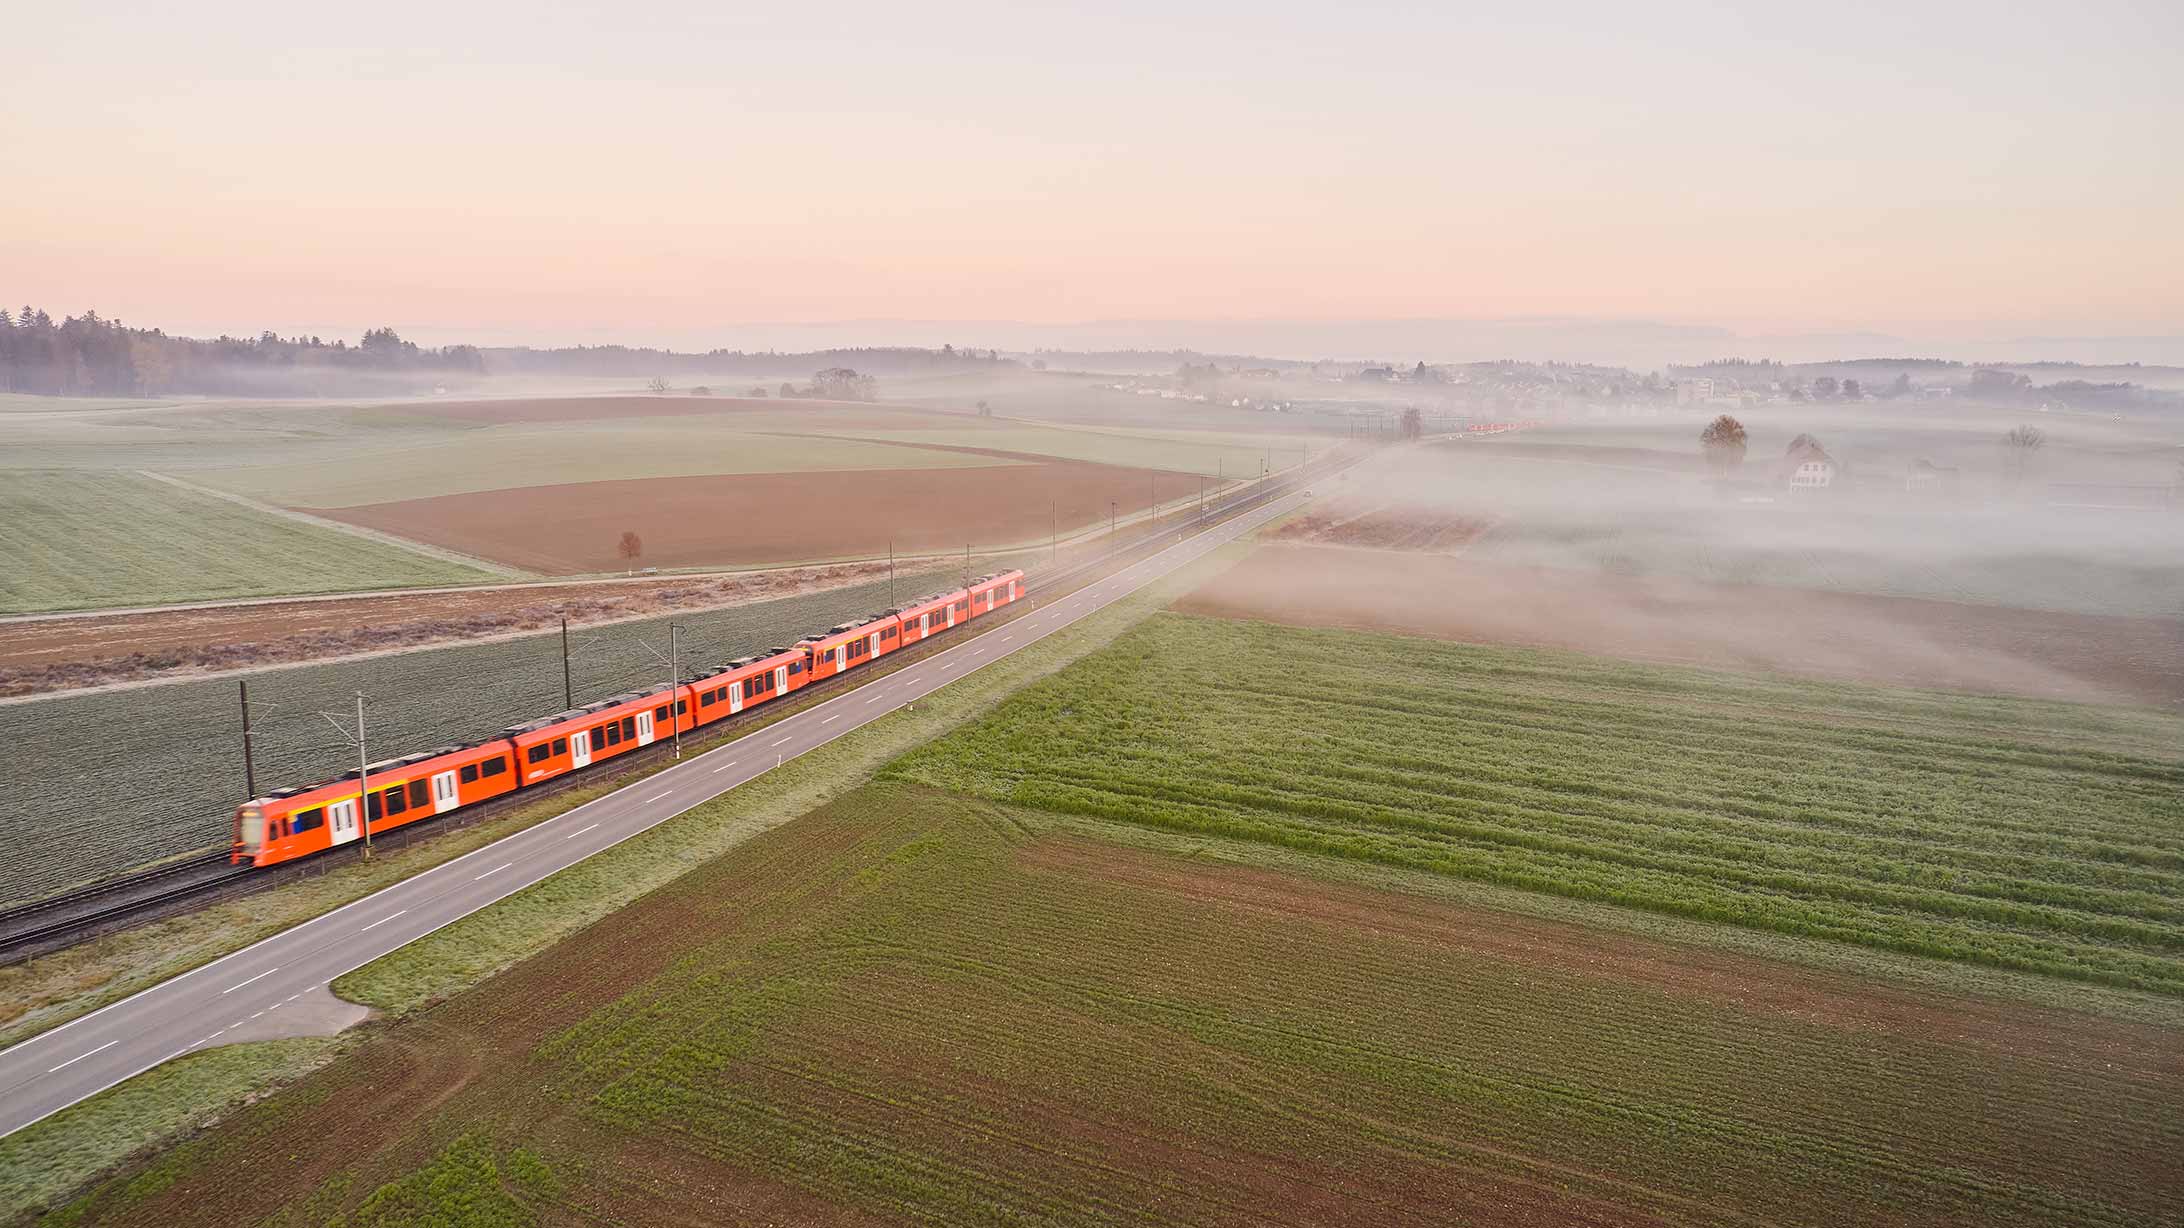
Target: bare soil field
1351,522
739,519
100,650
1898,640
821,1027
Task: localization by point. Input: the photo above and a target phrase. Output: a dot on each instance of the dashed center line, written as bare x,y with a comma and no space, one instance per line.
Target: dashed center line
830,720
383,920
239,984
79,1057
784,739
580,831
657,796
495,870
722,768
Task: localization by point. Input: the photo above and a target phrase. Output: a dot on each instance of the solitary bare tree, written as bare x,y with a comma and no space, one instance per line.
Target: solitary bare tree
1722,443
630,547
657,385
2017,449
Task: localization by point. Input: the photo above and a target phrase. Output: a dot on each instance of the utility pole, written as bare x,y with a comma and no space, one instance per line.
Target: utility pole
250,774
966,564
1110,524
363,772
568,696
1054,529
363,779
674,680
890,571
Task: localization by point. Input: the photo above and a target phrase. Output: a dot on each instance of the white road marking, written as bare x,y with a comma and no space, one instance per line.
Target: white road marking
495,870
170,1057
239,984
259,1013
716,771
578,832
79,1057
875,699
376,924
784,739
830,720
657,796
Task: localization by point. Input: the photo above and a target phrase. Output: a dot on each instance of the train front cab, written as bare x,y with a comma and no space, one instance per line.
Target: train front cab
992,592
294,823
562,743
745,682
933,615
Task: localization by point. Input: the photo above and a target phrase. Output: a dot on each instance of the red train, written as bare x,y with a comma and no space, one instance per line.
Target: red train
291,823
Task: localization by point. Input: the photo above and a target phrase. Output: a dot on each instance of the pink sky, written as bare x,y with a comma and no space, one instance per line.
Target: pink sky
676,172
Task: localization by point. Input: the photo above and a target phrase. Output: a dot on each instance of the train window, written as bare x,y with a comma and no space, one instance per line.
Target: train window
796,667
470,773
629,726
705,700
417,792
561,746
682,707
495,766
397,800
310,820
607,734
658,714
371,807
538,753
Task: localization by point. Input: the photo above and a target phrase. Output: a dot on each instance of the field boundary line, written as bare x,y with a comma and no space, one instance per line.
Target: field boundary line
372,535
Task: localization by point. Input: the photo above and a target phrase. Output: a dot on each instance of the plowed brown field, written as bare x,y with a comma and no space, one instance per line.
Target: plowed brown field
97,650
737,519
1898,640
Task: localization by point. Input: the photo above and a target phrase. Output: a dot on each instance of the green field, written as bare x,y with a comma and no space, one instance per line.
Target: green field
81,539
515,456
911,1007
2008,833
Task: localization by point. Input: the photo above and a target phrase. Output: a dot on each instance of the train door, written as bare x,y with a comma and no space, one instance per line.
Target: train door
925,624
735,697
841,657
644,729
781,679
951,613
1012,590
443,792
873,644
341,822
580,747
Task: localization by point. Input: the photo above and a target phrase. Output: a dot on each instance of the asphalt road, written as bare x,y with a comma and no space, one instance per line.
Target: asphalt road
217,1003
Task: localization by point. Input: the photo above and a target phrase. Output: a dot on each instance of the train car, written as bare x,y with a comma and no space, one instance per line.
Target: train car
731,688
555,745
990,593
850,645
291,823
934,614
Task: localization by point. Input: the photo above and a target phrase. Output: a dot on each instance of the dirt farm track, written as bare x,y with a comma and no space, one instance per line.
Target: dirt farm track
737,519
1896,640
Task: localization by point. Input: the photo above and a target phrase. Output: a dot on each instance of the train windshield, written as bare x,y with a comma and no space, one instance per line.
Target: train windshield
250,828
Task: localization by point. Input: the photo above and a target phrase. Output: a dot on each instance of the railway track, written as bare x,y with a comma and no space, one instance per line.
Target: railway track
59,921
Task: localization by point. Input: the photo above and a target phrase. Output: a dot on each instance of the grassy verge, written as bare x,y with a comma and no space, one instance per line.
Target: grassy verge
501,935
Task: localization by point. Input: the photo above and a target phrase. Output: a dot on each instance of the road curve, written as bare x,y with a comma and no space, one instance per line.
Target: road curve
55,1069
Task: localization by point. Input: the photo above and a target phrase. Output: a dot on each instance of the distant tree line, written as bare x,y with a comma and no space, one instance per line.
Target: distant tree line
90,356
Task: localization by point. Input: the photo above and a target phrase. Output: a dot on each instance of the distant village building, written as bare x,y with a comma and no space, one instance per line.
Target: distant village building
1928,478
1807,466
1690,391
